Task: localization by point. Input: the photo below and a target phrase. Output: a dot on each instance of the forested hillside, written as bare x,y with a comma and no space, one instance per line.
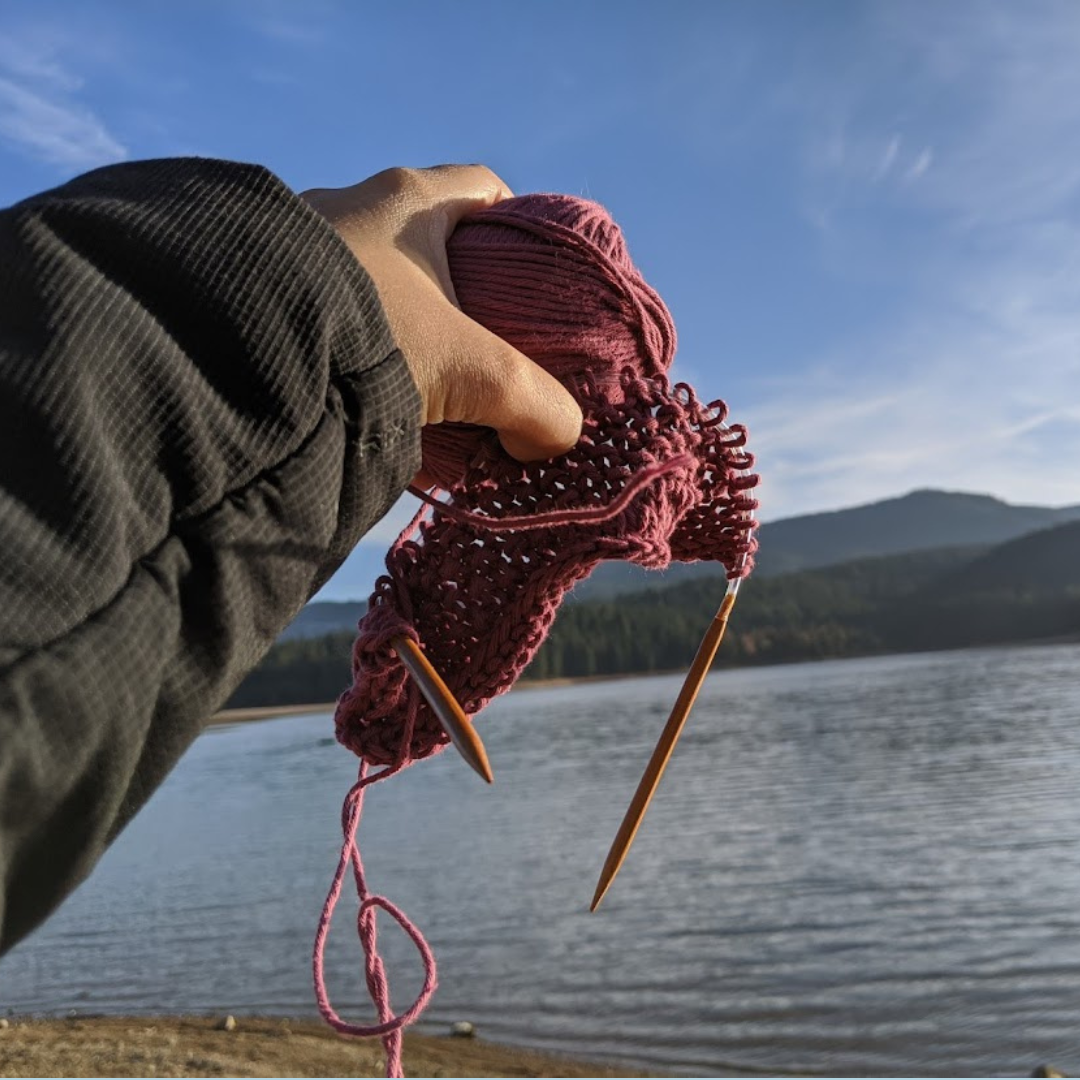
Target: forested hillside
919,521
1024,590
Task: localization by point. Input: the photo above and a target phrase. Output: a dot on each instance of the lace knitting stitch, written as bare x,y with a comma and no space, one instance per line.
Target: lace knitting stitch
477,579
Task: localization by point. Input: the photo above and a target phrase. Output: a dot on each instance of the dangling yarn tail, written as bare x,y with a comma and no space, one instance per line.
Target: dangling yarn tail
589,515
389,1026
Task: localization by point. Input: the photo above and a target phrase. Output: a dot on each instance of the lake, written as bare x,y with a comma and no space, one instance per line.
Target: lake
861,867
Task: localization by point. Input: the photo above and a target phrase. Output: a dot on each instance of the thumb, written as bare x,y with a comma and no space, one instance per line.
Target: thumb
535,416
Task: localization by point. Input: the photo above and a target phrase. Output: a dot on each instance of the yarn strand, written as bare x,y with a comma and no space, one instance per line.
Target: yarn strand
554,518
390,1026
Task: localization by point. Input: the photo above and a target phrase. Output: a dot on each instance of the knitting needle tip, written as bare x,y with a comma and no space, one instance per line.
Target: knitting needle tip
444,705
602,887
661,755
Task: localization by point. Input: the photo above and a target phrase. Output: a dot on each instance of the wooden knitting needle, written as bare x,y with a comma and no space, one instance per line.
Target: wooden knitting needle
668,738
444,705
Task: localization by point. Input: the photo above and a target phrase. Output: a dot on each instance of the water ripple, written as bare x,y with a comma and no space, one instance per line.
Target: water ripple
853,868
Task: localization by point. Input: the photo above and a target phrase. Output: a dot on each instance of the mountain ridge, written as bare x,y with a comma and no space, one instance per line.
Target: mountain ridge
924,519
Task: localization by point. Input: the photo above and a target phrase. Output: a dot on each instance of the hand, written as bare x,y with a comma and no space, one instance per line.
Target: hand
397,224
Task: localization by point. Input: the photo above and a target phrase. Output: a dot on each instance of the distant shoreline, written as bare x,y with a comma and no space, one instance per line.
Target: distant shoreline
269,712
252,713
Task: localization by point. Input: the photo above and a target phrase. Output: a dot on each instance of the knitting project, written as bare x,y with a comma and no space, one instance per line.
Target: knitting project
477,578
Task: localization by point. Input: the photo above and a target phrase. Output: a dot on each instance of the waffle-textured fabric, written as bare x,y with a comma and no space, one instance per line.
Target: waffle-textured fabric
656,476
201,411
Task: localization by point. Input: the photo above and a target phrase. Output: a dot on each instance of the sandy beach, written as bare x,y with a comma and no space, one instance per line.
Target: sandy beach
179,1046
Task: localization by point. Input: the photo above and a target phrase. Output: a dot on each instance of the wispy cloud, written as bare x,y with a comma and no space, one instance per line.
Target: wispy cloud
971,380
40,114
888,158
56,132
32,57
1003,81
986,95
835,444
977,390
920,164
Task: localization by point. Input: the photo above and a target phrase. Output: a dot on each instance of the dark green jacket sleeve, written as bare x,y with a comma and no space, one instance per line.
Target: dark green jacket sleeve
201,411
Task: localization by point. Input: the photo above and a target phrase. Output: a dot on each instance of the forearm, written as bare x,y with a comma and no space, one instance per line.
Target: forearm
201,411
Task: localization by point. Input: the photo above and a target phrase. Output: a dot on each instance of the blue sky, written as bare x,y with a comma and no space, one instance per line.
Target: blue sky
864,216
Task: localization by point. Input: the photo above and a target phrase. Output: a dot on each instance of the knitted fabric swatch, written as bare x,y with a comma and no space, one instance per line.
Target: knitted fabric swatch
477,578
656,475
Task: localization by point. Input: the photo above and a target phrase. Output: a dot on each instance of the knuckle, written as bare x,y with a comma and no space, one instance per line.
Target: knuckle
465,180
398,180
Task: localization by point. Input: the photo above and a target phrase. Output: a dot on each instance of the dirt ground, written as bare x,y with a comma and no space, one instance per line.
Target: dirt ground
173,1046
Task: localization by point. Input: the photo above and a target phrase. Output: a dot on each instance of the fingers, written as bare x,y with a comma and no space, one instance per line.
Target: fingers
450,191
449,194
397,224
427,205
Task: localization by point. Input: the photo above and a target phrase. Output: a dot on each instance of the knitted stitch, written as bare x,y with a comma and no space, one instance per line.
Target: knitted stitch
478,578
